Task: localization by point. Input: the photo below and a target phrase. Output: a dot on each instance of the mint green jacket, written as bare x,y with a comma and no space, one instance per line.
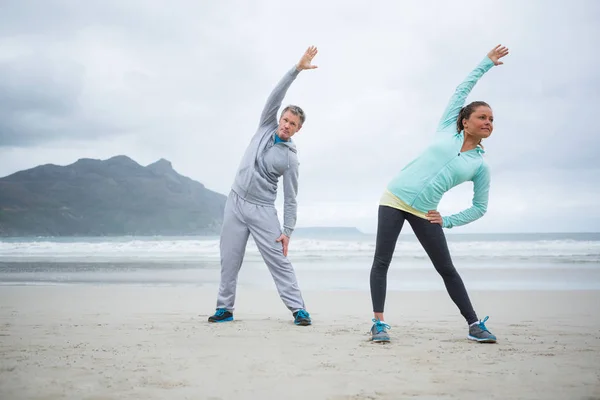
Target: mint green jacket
442,166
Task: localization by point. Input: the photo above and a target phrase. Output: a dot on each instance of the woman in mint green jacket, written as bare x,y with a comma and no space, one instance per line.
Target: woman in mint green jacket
454,157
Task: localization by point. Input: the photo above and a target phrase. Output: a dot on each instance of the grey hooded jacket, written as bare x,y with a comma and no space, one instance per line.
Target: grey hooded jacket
264,161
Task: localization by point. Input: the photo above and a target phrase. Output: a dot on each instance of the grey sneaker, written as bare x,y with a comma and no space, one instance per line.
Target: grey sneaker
480,333
378,331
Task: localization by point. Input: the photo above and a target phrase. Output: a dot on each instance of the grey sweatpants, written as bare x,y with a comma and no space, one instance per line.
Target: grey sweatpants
241,219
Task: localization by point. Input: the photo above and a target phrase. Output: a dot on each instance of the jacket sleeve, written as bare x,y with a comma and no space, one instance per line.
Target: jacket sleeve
290,206
457,101
269,113
481,189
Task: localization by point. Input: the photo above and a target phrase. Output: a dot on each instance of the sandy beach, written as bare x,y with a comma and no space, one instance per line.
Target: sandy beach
136,342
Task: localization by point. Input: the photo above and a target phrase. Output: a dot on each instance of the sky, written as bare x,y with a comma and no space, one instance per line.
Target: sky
186,81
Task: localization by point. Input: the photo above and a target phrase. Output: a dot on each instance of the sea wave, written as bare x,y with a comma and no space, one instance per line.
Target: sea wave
564,251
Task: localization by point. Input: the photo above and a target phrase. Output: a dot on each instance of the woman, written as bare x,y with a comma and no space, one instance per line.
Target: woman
455,156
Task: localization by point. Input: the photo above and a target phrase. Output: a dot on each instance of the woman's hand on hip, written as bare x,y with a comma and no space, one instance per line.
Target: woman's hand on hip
434,217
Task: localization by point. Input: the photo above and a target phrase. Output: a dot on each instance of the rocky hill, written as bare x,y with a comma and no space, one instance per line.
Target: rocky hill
117,196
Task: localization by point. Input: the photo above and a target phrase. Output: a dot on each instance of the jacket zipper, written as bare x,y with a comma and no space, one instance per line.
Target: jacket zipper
433,178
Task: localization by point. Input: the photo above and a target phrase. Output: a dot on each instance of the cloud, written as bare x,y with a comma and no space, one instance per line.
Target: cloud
187,83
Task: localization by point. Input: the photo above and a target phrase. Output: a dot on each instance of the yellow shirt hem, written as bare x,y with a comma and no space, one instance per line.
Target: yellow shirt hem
391,200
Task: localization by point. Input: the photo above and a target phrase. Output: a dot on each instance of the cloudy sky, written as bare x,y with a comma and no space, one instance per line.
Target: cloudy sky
186,80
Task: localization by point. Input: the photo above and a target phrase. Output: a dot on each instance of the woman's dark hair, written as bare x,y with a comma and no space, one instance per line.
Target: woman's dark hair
466,112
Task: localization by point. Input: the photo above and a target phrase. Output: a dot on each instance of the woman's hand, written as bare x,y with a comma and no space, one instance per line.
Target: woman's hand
434,217
497,53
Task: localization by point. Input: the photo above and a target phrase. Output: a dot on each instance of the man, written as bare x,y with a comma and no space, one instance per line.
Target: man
250,207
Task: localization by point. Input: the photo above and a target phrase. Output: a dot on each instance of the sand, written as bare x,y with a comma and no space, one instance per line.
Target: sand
132,342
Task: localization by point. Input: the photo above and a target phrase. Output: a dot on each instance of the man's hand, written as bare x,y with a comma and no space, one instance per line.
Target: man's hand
434,217
284,241
304,62
497,53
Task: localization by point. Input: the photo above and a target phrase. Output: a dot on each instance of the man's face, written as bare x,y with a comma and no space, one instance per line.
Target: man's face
289,124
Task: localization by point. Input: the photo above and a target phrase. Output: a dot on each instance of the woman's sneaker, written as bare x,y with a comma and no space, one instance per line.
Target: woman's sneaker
222,315
479,333
379,331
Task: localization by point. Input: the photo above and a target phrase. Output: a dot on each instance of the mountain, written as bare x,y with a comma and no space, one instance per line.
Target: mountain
116,196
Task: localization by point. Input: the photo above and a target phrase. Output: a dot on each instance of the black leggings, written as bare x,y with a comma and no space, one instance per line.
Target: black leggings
433,241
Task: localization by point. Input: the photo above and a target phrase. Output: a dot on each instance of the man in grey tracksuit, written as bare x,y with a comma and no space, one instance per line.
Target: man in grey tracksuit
250,207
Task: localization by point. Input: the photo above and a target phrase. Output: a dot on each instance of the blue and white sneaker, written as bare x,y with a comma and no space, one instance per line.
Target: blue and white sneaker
479,333
379,331
302,317
221,315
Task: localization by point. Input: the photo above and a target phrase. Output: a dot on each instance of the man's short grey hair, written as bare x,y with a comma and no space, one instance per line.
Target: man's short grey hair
296,111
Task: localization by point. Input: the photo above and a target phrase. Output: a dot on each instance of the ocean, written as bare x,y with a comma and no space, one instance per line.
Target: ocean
560,261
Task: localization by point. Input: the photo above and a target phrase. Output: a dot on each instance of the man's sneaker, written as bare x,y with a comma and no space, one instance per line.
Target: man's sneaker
301,317
379,331
480,333
222,315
